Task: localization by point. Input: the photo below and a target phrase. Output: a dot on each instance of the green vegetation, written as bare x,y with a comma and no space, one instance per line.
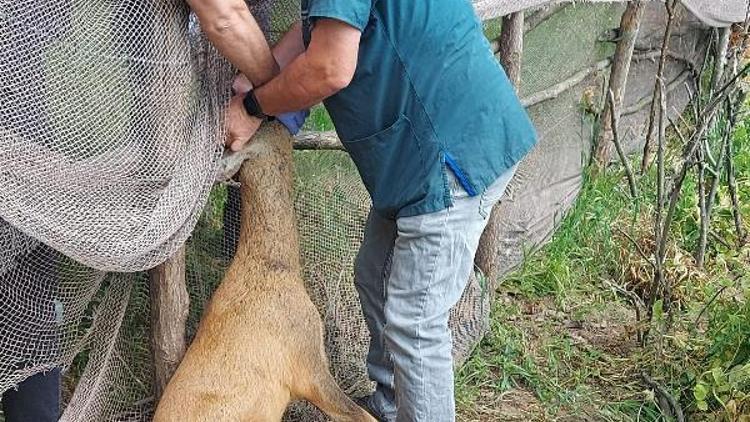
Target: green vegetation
319,120
563,342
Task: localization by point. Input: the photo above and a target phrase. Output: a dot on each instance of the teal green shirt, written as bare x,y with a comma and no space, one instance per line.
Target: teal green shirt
428,97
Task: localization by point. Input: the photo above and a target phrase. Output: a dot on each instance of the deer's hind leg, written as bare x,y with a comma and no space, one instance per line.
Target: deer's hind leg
315,384
327,396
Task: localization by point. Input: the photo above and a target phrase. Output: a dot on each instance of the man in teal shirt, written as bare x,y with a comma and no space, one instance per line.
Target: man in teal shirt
436,131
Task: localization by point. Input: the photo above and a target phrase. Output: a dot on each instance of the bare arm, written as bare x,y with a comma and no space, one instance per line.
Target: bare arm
290,46
231,28
326,67
285,51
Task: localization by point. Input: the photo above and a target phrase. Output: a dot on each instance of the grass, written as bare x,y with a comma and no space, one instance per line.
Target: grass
562,344
319,120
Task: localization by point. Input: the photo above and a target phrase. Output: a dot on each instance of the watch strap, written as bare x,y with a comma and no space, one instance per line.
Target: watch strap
252,106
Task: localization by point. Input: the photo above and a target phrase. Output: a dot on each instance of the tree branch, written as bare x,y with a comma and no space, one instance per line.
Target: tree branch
318,141
542,14
708,200
670,4
558,89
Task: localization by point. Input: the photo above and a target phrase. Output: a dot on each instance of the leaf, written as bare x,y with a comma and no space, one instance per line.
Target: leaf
731,408
658,310
700,392
738,374
718,376
702,406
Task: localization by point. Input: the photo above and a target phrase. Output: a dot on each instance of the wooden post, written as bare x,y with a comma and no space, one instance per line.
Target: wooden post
630,25
511,46
511,55
169,311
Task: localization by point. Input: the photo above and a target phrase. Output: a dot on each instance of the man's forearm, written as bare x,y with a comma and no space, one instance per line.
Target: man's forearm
290,46
325,68
286,92
231,28
296,88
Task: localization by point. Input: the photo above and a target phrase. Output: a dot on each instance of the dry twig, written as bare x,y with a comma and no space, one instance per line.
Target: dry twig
711,301
615,123
708,199
667,403
732,182
658,91
637,246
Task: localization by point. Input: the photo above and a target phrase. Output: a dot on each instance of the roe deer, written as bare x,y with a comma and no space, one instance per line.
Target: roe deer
260,342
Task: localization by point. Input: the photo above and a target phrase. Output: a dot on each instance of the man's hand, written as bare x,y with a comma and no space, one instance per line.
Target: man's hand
241,127
241,84
293,121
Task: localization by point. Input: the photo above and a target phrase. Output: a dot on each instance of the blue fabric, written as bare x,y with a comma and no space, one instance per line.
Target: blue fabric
37,399
293,121
354,12
33,325
460,175
428,98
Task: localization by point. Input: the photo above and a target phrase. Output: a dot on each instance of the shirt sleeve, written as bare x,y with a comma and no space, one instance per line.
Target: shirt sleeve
353,12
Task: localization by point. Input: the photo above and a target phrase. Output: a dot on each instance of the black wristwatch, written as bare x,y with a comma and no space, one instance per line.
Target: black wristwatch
253,107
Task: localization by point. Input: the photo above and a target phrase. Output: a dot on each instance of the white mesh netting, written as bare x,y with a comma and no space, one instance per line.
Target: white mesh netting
719,13
110,133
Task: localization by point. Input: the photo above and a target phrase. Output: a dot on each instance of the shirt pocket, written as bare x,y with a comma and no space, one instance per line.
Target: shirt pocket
391,164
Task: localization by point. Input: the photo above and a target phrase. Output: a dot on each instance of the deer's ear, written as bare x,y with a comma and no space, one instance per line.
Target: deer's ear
231,161
229,165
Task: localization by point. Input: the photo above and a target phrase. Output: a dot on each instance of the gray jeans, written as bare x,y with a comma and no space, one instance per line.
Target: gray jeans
409,273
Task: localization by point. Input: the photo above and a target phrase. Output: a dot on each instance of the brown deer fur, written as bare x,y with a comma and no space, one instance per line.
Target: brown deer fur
260,343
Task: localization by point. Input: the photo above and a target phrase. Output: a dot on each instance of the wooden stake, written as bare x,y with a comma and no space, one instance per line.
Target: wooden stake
511,54
170,304
511,46
630,25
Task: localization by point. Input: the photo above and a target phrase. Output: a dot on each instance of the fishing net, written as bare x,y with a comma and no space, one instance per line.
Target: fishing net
111,129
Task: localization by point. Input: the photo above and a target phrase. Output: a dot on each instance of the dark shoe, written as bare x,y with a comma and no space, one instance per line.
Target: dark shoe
364,402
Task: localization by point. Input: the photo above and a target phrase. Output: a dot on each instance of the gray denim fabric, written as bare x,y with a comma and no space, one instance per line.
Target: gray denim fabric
409,273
